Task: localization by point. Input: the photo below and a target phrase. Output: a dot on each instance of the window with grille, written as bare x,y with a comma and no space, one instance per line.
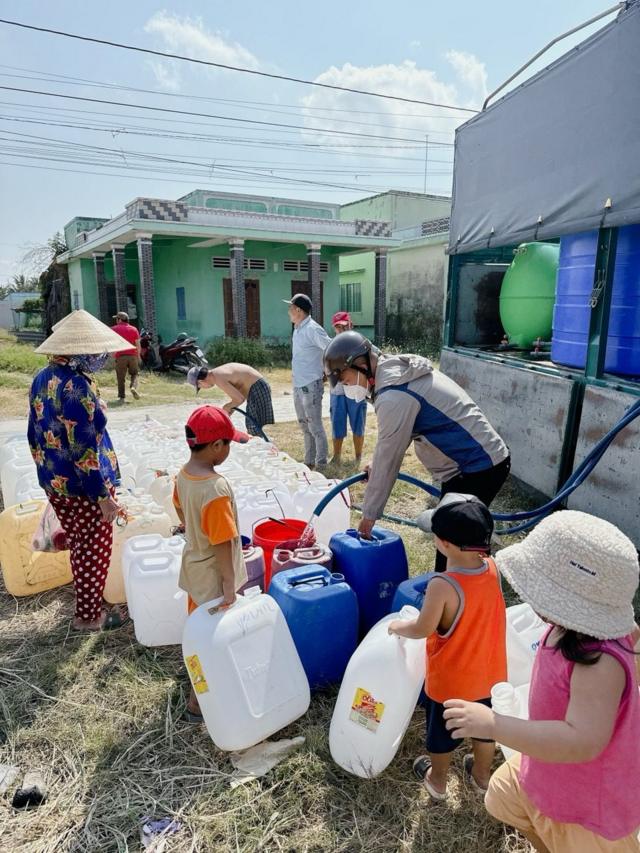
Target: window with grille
221,262
351,296
303,266
181,304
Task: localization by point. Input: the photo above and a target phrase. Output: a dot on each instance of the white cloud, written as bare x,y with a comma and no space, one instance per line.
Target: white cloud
415,44
167,73
471,72
190,37
393,120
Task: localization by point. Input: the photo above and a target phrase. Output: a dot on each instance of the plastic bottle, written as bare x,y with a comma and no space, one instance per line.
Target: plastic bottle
377,699
508,701
524,632
245,670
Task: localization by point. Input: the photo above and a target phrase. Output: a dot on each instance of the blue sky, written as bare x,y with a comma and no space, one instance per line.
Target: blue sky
442,52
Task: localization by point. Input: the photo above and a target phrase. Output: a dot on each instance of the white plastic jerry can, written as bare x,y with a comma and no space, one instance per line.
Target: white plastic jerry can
13,472
160,606
245,670
524,632
143,519
149,545
377,699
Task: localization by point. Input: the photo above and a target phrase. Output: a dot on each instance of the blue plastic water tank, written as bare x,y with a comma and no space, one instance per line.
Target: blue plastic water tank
321,611
373,568
411,592
572,309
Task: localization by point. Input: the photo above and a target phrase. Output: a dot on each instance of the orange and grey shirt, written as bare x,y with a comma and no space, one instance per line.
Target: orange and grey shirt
468,659
211,520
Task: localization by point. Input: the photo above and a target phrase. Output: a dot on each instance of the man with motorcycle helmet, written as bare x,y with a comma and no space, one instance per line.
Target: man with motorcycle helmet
415,402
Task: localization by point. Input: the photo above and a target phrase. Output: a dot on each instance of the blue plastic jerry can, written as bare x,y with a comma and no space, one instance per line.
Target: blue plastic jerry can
373,568
412,592
321,611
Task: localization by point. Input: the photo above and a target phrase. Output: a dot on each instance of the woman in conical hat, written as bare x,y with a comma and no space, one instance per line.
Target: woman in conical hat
76,463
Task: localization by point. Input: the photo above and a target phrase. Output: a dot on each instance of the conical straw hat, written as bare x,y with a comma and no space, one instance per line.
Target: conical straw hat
81,333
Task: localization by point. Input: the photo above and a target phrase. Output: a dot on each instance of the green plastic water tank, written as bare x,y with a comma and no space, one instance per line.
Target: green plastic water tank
528,293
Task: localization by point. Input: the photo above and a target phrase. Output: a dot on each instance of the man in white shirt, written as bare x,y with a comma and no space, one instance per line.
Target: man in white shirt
308,345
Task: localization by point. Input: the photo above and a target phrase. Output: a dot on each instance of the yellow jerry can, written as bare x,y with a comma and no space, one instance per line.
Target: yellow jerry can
25,571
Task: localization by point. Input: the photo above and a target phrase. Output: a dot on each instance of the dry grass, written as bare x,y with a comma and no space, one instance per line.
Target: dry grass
19,363
100,717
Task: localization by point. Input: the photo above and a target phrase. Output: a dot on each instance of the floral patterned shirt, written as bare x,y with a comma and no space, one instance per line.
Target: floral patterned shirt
67,435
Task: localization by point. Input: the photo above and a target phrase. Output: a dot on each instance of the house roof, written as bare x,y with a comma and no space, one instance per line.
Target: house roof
217,225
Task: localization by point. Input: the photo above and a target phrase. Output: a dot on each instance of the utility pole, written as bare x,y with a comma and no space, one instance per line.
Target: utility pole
426,160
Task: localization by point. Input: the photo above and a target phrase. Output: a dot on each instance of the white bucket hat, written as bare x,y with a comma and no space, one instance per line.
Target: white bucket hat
576,571
80,333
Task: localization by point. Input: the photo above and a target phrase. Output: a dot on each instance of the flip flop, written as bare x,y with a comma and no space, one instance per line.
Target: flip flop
189,717
115,619
421,767
467,771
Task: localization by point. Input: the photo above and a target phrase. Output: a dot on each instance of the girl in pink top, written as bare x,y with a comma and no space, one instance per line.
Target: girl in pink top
576,786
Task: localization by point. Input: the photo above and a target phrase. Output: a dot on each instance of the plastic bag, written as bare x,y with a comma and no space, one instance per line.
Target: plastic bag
49,535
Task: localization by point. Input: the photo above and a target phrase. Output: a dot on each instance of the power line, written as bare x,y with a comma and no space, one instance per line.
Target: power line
52,155
352,144
221,161
261,106
180,136
253,71
218,117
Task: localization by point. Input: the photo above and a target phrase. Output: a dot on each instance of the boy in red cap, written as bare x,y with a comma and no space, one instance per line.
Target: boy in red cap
212,562
342,406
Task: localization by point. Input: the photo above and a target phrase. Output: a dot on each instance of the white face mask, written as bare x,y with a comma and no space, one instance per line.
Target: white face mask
356,392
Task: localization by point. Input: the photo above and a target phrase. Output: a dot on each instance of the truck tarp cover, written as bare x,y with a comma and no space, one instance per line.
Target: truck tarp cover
543,161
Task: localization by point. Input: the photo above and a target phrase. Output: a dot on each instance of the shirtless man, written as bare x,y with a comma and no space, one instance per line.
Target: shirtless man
240,382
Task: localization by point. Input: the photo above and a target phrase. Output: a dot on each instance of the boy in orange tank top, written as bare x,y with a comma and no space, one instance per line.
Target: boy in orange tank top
464,623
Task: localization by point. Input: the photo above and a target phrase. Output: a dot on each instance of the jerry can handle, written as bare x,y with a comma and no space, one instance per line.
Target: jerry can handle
302,582
309,575
310,552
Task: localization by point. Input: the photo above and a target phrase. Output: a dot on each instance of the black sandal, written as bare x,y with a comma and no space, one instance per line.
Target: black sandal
115,619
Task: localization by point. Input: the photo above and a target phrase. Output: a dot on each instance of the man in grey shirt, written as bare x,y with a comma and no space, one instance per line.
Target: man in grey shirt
308,345
415,402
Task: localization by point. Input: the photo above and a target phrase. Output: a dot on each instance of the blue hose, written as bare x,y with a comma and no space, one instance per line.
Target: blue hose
529,517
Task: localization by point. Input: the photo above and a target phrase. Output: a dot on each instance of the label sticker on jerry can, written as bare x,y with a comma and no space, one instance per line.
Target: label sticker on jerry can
365,711
196,674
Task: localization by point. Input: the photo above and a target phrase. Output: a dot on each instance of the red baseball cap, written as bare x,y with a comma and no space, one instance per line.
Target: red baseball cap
209,423
341,318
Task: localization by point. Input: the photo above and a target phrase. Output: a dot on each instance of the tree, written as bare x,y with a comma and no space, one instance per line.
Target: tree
40,257
20,284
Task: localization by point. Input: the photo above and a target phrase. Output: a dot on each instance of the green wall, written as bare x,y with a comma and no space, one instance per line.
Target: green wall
402,210
361,268
82,285
176,265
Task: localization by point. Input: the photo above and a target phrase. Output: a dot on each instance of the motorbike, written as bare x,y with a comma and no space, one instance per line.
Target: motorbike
180,355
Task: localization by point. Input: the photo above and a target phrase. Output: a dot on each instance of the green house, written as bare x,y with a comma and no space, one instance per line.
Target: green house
219,264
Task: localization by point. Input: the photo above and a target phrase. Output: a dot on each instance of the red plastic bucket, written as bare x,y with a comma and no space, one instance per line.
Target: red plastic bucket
269,534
